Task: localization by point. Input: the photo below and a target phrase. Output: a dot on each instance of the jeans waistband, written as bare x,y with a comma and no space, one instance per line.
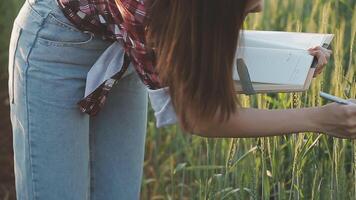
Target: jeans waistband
29,18
34,12
43,7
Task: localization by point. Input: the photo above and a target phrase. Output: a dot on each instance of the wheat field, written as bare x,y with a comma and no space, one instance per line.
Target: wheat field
295,166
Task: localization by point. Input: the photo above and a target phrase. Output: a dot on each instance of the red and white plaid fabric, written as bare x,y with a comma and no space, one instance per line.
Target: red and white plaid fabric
122,22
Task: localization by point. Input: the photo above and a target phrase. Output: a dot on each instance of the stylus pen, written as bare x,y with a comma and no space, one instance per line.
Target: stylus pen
334,98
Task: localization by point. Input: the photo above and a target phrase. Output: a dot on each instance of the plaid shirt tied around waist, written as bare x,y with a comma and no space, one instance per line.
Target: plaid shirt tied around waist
121,21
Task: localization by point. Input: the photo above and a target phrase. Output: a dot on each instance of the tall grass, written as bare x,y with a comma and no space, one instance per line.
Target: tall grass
296,166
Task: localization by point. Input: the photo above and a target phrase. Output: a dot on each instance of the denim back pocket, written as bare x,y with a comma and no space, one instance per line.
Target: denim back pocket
55,32
14,39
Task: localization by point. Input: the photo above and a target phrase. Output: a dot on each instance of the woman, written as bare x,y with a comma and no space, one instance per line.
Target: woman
61,153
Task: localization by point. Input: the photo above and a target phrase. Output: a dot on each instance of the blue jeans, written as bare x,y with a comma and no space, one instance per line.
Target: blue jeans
59,152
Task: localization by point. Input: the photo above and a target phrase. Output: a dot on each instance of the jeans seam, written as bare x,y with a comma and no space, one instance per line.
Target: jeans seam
28,109
63,24
91,165
64,44
33,10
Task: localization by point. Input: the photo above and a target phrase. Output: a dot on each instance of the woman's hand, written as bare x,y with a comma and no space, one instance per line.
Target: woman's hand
322,55
338,120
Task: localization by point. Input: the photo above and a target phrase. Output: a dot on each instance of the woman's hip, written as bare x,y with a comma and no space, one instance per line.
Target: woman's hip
45,47
47,29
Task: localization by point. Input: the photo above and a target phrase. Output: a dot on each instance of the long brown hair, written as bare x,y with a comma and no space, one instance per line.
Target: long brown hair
195,42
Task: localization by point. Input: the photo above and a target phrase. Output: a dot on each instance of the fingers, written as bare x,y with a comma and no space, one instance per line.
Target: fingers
318,51
322,61
317,71
327,52
351,121
345,121
352,101
323,55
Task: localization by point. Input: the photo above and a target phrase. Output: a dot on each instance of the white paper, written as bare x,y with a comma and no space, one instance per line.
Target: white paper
277,57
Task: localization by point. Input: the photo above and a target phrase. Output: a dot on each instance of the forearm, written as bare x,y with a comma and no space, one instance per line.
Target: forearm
252,122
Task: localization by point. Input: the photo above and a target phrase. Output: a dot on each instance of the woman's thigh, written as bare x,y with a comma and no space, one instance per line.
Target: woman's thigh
117,136
48,62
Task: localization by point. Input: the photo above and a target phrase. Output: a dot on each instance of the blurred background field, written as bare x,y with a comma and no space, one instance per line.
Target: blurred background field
296,166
